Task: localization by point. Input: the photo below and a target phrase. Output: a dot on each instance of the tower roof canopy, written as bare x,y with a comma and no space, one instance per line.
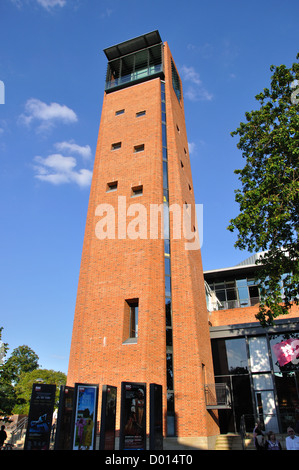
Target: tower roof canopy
133,45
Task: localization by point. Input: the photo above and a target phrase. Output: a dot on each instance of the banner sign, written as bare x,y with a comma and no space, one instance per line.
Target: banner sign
108,415
133,416
63,439
85,421
156,417
40,417
287,351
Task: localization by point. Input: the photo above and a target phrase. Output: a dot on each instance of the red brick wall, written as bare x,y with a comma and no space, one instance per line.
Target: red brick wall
115,270
119,269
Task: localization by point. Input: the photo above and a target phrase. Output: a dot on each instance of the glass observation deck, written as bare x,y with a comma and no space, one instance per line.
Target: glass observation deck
134,61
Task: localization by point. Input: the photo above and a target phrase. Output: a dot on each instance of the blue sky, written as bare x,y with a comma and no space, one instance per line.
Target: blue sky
53,67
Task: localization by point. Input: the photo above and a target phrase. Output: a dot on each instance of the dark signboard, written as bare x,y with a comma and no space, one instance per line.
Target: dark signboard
156,417
85,417
40,417
133,416
108,415
63,439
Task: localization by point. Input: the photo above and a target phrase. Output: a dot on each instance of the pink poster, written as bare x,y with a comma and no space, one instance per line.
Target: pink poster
286,351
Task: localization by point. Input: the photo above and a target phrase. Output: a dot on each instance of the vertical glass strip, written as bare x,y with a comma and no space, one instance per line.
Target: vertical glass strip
167,274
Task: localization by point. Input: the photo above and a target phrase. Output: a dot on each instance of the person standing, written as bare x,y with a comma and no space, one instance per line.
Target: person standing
258,435
3,435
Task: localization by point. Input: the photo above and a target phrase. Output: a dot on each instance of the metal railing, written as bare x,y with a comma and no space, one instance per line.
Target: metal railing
133,76
19,430
229,304
217,396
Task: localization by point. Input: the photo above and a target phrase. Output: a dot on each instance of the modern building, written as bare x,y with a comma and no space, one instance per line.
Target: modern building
141,312
259,365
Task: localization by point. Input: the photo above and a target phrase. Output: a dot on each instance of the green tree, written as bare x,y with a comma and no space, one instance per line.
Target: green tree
269,195
7,392
17,375
22,359
23,388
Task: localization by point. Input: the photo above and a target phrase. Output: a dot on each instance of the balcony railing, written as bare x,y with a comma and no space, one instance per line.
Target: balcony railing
229,304
138,75
217,396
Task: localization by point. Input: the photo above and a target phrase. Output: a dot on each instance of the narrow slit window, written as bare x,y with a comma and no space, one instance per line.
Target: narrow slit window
111,186
139,148
133,318
137,191
141,113
116,146
120,111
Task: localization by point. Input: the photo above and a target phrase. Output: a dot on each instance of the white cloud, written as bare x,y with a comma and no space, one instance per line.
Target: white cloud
72,147
51,3
190,74
47,114
58,169
47,4
196,91
191,147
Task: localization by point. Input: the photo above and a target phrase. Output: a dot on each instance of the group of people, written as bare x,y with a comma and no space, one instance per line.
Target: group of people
269,441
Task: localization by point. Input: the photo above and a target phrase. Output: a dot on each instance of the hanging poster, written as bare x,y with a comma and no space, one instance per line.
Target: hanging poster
108,415
133,416
85,421
40,417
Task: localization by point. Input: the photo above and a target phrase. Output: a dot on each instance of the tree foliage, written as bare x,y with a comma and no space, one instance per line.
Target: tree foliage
27,379
23,359
17,375
269,196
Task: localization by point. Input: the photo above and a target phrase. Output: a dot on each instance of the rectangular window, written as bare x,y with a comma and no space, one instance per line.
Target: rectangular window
133,318
120,111
141,113
111,186
137,191
116,145
139,148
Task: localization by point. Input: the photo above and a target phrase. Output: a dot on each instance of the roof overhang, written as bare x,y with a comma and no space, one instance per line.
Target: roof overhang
231,272
133,45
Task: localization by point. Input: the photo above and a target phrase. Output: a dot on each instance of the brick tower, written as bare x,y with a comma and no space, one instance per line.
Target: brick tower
141,312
